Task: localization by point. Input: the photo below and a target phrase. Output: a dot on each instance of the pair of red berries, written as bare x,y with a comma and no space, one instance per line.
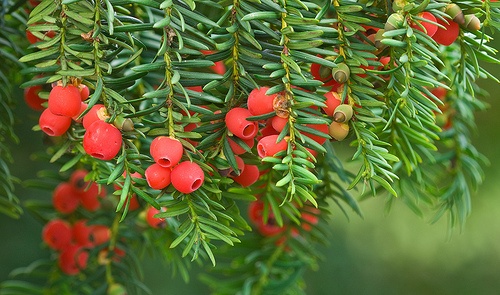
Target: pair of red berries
73,241
64,104
67,196
167,152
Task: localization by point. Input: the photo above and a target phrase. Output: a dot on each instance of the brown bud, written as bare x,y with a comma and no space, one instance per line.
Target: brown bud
281,106
395,21
338,131
455,12
342,113
341,73
472,22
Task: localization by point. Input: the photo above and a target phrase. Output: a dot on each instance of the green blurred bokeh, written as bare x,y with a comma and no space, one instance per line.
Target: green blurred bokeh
395,253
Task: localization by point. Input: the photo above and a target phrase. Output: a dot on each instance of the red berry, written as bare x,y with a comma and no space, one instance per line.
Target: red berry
248,176
89,197
255,212
96,113
32,99
449,34
241,167
134,203
65,198
31,38
102,140
57,234
219,67
268,147
279,123
430,28
158,177
53,125
65,101
77,179
237,123
237,149
76,118
99,234
267,130
73,259
309,218
259,103
81,233
152,220
166,151
440,92
333,100
323,128
84,91
187,177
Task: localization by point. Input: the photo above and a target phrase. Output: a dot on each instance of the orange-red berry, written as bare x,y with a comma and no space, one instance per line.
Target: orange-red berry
187,177
65,101
102,140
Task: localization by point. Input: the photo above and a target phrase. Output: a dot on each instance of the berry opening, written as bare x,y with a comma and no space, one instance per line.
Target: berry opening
164,162
196,184
249,130
49,131
97,156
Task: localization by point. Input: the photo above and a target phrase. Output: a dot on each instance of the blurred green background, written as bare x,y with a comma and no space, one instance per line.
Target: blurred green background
395,253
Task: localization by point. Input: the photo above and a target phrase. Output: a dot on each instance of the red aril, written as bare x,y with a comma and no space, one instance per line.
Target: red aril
73,259
236,148
333,100
32,99
259,103
102,141
65,198
53,125
248,176
268,147
428,27
158,177
448,35
152,220
237,123
187,177
65,101
96,113
166,151
57,234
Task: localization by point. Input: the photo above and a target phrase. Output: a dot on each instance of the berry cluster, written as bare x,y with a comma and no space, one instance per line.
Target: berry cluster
73,241
167,152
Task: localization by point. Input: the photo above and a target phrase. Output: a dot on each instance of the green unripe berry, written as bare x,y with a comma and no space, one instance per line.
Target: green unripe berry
338,131
342,113
395,21
341,73
455,12
472,22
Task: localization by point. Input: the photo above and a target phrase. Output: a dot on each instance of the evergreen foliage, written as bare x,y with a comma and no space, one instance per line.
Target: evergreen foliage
176,68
